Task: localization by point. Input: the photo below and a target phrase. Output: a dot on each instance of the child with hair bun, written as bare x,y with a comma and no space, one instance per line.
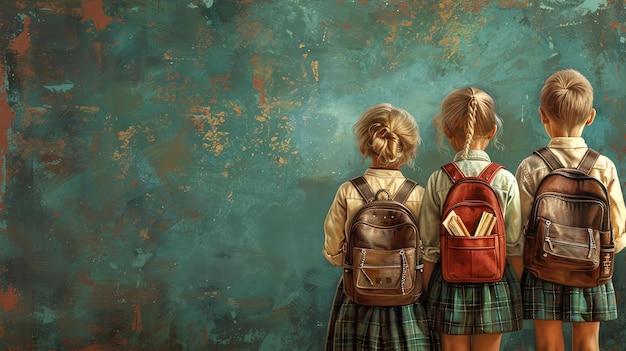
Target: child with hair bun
389,136
471,316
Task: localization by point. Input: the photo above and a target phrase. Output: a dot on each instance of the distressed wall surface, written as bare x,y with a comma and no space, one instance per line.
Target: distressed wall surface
166,166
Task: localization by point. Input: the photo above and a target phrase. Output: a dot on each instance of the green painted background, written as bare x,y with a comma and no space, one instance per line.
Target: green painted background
166,165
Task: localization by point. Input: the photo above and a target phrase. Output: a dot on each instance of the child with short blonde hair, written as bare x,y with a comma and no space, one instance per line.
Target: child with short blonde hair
566,109
471,316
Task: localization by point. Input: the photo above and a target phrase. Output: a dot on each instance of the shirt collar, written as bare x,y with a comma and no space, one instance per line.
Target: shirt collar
567,142
479,155
381,172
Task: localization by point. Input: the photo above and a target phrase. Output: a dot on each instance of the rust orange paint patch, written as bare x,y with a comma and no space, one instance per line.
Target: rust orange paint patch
83,278
9,299
54,7
6,122
137,327
94,10
514,3
22,42
257,83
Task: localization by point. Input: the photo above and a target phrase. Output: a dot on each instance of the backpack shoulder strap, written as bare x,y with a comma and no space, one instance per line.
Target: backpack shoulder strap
590,158
364,189
585,165
549,158
453,171
405,189
490,171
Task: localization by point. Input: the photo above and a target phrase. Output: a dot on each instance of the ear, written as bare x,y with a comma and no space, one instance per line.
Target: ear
544,116
592,117
447,132
493,132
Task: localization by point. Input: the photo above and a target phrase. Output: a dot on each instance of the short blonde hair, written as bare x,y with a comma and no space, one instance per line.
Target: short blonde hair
467,113
567,96
387,134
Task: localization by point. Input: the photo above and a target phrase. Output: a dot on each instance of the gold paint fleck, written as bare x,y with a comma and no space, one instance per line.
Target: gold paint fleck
125,136
144,234
315,69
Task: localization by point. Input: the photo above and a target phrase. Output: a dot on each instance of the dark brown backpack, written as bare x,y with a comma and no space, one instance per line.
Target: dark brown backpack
383,258
473,259
569,238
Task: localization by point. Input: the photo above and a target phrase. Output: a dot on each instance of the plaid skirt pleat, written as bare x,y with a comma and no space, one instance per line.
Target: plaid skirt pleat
551,301
468,309
370,328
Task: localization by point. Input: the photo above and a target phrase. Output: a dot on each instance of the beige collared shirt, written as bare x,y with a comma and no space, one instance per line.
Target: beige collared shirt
348,201
569,151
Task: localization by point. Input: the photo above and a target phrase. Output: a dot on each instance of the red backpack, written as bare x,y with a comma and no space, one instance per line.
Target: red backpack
473,254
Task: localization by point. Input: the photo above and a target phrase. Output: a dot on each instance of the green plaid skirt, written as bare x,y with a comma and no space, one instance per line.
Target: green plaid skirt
551,301
360,328
468,309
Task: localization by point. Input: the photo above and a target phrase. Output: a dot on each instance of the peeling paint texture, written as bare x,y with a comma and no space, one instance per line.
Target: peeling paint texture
166,166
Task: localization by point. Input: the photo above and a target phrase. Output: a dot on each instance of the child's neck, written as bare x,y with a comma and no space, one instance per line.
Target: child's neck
479,143
375,165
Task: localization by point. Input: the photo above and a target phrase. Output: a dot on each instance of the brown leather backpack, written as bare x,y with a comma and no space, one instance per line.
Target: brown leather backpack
473,259
569,237
383,257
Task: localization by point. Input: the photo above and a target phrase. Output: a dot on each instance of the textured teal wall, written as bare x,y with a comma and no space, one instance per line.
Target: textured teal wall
166,166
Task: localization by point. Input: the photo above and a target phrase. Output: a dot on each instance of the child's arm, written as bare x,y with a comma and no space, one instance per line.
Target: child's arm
618,209
526,191
518,265
429,227
514,228
334,230
428,271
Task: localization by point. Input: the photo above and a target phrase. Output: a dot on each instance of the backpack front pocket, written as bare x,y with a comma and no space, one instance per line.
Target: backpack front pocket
384,269
578,248
471,259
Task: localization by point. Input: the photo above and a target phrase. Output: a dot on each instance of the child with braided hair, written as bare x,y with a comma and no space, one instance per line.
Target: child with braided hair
471,316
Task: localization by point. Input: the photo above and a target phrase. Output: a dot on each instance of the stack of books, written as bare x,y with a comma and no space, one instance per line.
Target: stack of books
455,226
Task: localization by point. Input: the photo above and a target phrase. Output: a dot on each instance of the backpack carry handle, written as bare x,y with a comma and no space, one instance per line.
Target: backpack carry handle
368,195
381,191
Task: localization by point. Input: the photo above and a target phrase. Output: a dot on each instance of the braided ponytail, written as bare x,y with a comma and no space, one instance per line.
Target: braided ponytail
469,113
471,122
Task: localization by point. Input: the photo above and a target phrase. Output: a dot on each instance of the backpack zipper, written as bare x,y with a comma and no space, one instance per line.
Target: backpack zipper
590,247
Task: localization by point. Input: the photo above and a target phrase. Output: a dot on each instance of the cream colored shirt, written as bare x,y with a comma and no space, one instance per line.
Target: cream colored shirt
348,201
569,151
437,189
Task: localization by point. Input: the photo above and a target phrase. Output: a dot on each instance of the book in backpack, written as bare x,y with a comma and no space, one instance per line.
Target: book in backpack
383,257
569,238
473,240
